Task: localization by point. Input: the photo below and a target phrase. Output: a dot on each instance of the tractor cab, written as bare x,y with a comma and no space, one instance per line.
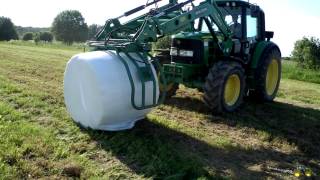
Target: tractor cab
246,23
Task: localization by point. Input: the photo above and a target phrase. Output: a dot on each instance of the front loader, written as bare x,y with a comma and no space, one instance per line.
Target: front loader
205,53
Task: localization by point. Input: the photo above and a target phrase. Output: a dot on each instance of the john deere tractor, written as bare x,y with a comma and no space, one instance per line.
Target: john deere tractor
219,47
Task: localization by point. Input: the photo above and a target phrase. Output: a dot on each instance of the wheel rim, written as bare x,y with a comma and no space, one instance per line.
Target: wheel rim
232,90
272,77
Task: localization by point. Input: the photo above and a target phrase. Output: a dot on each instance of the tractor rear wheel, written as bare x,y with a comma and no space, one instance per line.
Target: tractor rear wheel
224,87
268,76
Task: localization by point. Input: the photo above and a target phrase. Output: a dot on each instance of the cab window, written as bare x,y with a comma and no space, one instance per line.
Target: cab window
252,27
233,18
229,20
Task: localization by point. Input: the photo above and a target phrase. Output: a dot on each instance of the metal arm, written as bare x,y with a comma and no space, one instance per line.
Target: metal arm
154,26
115,25
166,20
139,8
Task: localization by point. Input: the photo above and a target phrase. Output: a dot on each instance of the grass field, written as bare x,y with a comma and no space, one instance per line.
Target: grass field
290,71
178,140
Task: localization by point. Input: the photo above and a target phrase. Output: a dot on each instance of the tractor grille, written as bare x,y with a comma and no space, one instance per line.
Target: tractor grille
188,44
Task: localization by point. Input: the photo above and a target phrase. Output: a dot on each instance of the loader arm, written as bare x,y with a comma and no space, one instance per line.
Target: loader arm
155,27
166,20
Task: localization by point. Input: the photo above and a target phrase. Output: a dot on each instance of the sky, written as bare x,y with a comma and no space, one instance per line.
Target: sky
289,19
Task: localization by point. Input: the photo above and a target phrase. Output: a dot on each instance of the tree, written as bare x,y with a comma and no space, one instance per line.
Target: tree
46,36
69,26
7,29
27,36
93,30
37,38
307,53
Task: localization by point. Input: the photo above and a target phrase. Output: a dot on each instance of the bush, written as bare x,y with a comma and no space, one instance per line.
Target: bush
7,30
27,36
46,36
307,53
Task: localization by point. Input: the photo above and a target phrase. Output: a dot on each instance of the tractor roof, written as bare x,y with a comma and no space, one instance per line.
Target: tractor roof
238,2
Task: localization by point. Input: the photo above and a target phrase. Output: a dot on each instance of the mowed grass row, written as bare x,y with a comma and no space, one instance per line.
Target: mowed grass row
178,140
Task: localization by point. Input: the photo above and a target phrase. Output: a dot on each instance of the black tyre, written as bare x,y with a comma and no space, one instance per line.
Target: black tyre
267,76
224,87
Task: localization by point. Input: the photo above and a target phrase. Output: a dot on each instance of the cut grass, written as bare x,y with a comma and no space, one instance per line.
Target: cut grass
28,150
178,140
292,89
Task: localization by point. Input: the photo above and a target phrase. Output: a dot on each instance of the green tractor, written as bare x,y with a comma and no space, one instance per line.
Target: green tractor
252,68
219,47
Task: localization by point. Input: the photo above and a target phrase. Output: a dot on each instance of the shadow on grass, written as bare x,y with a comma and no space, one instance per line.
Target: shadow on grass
298,125
155,151
158,152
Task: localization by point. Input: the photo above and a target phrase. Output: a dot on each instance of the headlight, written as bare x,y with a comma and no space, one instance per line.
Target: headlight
186,53
174,52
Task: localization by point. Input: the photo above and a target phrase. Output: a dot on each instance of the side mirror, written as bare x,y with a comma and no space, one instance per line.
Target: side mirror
269,35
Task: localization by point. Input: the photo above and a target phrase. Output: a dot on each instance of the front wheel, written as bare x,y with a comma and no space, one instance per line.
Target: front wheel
224,87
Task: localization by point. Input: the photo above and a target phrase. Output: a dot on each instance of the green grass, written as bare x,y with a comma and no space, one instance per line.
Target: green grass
292,89
80,47
178,140
291,71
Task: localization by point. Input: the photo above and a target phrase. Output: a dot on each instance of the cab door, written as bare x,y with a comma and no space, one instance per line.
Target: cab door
252,32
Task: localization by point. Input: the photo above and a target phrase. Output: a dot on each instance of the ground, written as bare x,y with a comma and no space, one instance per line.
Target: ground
178,140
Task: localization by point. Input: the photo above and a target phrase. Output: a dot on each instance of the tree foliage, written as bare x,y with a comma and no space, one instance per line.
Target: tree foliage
7,29
37,38
93,30
307,53
163,43
27,36
46,36
23,30
69,26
